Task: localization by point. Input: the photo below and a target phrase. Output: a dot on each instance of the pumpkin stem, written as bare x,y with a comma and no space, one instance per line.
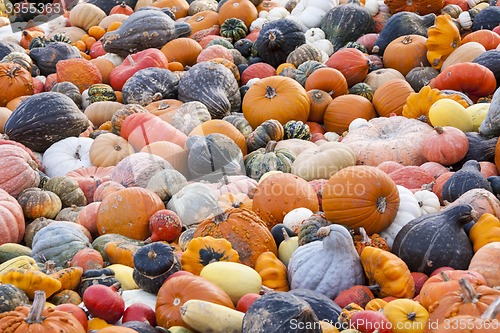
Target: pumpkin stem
375,287
407,40
35,314
270,92
445,276
423,119
50,267
492,310
381,204
163,106
151,254
285,235
412,316
220,216
323,232
12,72
271,145
130,60
469,295
364,237
439,129
265,290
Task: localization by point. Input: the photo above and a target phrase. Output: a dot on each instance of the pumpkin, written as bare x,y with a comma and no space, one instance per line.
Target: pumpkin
139,90
183,50
427,255
464,53
277,40
447,145
36,316
12,297
203,250
278,194
67,190
324,161
134,205
340,272
447,112
12,221
484,262
164,108
129,37
100,112
388,272
478,235
67,155
342,110
178,290
212,84
109,149
224,224
419,77
36,202
444,282
399,138
408,314
349,199
360,295
189,214
269,130
15,80
390,97
172,153
80,72
351,62
263,160
405,53
461,76
222,127
380,76
362,89
328,79
89,178
20,169
43,119
319,100
70,90
272,271
190,115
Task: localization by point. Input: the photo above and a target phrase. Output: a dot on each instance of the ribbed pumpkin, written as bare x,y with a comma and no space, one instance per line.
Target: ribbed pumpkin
236,225
183,50
319,100
19,169
108,149
12,224
240,9
279,194
127,212
222,127
275,97
361,196
328,79
15,81
344,109
203,20
391,97
422,7
352,63
405,53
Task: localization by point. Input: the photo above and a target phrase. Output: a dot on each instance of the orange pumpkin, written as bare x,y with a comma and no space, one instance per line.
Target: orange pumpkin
361,196
486,262
180,8
28,35
328,79
203,20
127,212
236,225
4,115
275,97
405,53
281,193
104,66
80,72
489,39
390,97
108,149
241,9
174,154
344,109
183,50
165,108
178,290
15,81
319,100
352,63
422,7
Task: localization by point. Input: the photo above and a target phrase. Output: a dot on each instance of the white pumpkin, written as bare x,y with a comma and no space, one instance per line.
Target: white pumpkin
372,7
67,155
85,99
277,13
258,23
311,12
324,45
358,122
409,209
331,136
465,20
323,161
114,58
193,203
294,217
428,201
314,34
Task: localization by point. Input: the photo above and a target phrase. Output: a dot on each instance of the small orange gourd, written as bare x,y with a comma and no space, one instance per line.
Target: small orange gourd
272,271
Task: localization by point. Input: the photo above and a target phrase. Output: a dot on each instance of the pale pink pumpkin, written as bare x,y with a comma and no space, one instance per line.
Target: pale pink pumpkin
447,145
11,219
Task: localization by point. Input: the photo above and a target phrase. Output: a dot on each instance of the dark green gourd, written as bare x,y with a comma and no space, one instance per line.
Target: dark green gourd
436,240
467,178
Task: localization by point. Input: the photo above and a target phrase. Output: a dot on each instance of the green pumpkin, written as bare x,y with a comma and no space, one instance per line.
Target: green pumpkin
60,38
104,276
11,297
101,92
297,130
153,264
310,226
38,41
67,189
268,159
234,29
270,130
238,121
11,250
222,42
362,89
356,45
305,69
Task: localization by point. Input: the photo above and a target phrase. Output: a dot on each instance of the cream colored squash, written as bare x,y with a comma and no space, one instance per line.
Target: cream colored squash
323,161
478,112
207,317
464,53
86,15
297,146
447,112
234,278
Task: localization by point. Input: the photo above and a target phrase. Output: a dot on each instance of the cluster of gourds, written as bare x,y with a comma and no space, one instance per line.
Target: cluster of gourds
250,166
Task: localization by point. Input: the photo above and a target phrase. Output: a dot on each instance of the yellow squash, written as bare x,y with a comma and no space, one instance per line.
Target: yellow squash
486,230
207,317
443,38
30,280
124,274
23,262
447,112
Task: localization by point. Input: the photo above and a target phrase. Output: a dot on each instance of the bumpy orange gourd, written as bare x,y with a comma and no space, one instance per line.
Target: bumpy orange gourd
202,251
486,230
443,38
272,271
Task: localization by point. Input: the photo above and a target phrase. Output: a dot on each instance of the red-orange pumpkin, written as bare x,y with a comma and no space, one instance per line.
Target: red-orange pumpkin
352,63
344,109
390,97
328,79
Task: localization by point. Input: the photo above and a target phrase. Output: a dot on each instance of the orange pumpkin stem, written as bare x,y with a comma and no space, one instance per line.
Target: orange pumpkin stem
35,314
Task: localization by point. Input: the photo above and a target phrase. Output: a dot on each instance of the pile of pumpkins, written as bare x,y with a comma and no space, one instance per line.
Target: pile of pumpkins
250,166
